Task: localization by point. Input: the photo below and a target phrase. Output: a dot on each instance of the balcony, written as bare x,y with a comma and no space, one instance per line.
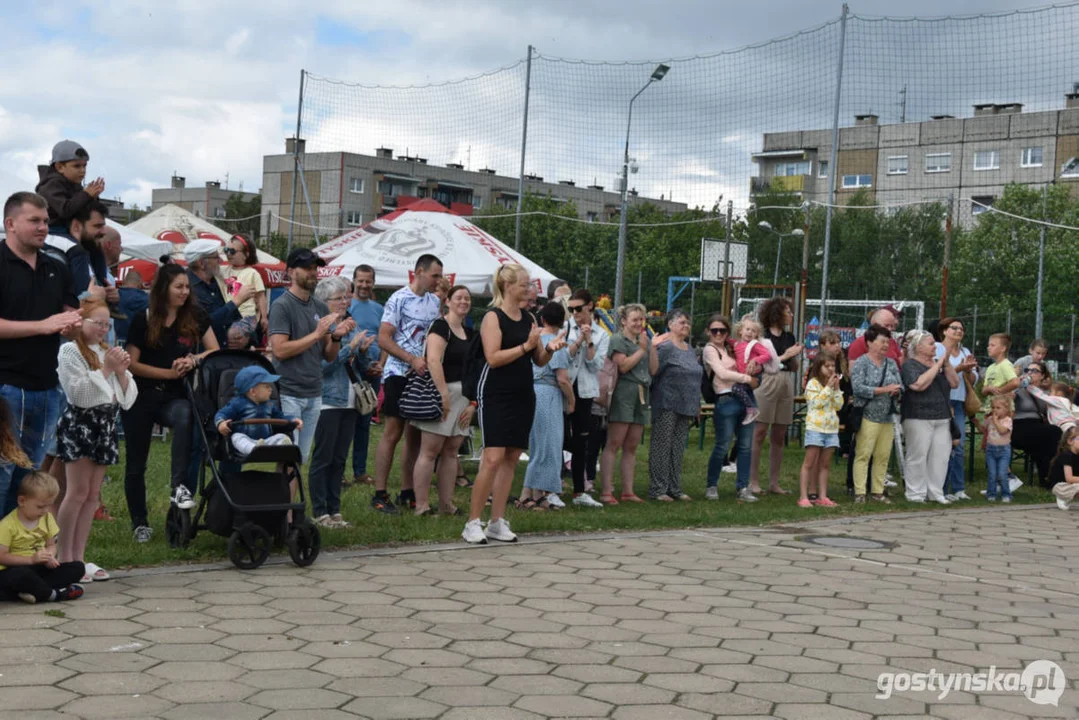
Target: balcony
777,183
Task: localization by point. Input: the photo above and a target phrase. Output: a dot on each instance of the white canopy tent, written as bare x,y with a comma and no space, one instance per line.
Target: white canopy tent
177,226
393,243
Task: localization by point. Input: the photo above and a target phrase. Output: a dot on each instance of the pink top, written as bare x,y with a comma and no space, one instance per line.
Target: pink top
724,370
998,431
757,351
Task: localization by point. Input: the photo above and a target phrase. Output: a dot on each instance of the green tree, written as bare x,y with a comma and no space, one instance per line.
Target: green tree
237,207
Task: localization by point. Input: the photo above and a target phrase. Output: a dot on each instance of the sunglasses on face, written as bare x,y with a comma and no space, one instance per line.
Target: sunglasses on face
576,308
719,331
231,251
957,328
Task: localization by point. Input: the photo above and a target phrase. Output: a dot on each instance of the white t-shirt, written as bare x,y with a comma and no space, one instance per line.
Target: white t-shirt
411,315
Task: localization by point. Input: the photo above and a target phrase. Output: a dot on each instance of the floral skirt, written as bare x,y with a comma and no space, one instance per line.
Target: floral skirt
89,433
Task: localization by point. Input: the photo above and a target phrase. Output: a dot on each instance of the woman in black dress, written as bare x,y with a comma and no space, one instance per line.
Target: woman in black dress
511,343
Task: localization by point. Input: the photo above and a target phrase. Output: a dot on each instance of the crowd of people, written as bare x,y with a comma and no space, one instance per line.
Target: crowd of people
544,379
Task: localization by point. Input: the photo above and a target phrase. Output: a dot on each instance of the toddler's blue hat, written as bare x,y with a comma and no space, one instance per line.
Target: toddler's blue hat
251,376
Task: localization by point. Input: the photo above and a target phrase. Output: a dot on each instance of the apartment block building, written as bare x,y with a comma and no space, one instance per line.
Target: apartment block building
208,201
974,157
349,189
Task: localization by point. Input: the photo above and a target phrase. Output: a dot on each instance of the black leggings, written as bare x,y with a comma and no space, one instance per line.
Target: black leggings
163,409
580,429
1040,441
38,580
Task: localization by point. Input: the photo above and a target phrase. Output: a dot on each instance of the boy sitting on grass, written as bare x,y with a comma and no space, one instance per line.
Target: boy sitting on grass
28,565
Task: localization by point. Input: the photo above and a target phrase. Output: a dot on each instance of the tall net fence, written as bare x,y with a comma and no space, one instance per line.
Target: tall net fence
753,126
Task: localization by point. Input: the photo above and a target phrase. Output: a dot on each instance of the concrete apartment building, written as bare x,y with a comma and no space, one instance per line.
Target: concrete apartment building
208,202
973,157
348,189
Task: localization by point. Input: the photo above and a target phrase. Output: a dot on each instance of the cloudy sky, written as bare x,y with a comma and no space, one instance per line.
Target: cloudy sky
207,88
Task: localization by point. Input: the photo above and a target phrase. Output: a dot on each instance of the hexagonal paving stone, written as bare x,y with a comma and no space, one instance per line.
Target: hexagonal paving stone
208,711
120,683
470,696
205,692
117,706
176,672
563,706
396,708
622,694
298,699
108,662
33,697
657,712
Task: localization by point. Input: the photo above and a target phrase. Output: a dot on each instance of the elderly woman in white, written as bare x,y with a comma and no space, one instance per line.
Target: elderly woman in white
927,418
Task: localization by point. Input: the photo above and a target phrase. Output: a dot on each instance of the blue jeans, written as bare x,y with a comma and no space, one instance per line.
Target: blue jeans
728,418
955,480
306,409
34,416
997,459
361,436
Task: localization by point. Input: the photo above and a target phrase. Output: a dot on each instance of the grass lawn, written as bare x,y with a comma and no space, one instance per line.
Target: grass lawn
112,546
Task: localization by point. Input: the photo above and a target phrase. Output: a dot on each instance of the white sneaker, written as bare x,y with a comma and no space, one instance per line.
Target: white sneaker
473,533
744,495
916,499
586,500
500,530
1062,504
1006,499
960,496
555,501
711,493
950,498
889,483
730,468
943,501
182,499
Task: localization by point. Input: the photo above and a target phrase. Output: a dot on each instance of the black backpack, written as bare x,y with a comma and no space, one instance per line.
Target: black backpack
708,391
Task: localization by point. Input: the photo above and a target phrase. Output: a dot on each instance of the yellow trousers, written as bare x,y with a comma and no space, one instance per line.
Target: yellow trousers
874,441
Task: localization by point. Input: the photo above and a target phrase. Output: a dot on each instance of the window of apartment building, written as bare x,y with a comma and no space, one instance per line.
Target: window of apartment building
981,204
1069,168
898,165
822,168
801,167
354,218
1032,157
355,185
987,160
219,212
938,162
477,202
857,181
591,216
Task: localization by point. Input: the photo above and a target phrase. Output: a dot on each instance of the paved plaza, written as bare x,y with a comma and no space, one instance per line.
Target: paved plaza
679,625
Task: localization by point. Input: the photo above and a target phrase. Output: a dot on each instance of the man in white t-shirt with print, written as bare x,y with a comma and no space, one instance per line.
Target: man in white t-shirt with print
405,319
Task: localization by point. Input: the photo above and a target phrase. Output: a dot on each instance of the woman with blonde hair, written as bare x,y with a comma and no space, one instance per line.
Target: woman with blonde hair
637,362
511,343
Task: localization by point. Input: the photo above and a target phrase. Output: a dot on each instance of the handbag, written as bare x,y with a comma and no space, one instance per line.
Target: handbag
854,423
420,398
972,405
364,397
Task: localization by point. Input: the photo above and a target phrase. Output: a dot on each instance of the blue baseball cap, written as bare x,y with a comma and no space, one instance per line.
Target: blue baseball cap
251,376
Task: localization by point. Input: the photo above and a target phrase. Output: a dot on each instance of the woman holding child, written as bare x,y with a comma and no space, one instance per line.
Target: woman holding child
729,415
165,344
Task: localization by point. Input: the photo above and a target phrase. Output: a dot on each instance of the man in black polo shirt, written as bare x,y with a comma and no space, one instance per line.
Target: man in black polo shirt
37,305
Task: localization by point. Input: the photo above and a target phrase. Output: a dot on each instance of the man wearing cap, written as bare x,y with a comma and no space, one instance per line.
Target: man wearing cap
61,184
204,274
303,333
37,305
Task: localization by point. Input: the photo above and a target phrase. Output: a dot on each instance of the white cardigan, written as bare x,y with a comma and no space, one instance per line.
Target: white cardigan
86,388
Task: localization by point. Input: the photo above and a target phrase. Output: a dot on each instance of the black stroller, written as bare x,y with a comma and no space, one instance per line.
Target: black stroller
249,507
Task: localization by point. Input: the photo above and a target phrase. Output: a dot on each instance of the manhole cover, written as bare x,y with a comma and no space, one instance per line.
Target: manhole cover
847,542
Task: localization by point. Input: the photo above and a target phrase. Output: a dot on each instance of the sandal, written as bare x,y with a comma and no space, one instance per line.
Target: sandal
529,504
630,497
462,481
96,573
426,510
608,500
824,502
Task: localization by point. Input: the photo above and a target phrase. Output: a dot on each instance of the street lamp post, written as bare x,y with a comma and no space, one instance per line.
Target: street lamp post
657,75
797,232
1069,166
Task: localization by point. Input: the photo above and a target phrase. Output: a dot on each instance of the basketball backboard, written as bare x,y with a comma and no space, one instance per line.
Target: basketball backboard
713,253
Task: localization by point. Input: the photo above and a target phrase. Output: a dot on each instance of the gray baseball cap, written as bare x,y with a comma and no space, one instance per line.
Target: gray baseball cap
66,150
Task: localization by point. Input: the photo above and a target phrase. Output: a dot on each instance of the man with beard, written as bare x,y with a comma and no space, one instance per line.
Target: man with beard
37,304
303,333
204,274
367,313
86,258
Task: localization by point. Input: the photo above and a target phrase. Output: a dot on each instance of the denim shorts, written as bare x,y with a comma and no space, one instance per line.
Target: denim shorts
819,439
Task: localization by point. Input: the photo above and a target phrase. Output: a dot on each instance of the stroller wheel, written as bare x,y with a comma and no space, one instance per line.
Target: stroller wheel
304,543
178,527
249,546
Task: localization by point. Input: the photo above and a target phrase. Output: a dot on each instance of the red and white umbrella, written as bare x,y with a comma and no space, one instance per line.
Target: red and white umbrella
392,244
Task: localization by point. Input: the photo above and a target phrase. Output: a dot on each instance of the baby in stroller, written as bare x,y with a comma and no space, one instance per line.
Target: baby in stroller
253,386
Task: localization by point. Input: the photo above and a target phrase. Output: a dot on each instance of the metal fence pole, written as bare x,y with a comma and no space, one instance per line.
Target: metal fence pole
640,274
974,346
1041,262
947,256
524,141
586,269
727,288
832,169
295,161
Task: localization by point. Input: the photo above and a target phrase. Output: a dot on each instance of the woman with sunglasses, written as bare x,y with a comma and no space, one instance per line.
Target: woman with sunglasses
241,272
587,345
952,332
720,365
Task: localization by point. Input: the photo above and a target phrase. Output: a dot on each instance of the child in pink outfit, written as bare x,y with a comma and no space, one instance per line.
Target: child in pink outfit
748,348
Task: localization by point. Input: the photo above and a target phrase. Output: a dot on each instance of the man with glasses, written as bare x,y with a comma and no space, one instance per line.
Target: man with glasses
587,343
